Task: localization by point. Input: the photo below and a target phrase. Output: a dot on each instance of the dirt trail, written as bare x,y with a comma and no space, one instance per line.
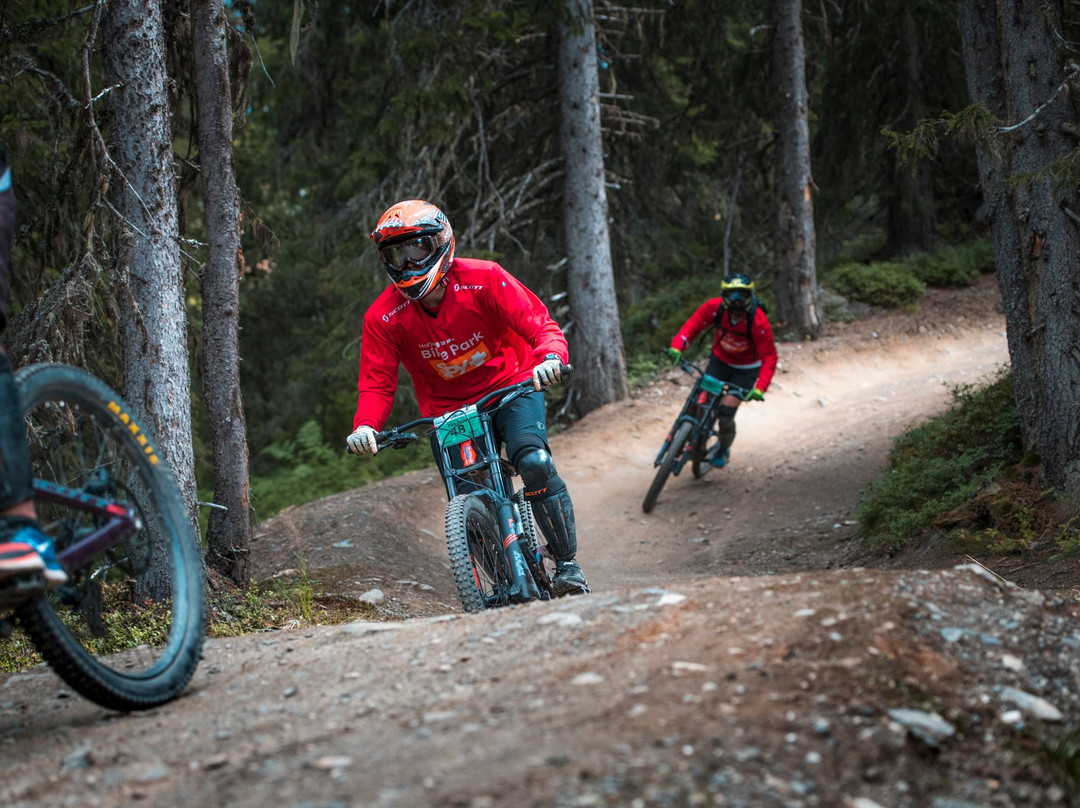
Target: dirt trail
730,655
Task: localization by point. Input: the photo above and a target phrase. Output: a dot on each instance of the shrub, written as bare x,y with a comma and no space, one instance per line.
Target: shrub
887,285
860,249
939,464
953,266
648,326
308,469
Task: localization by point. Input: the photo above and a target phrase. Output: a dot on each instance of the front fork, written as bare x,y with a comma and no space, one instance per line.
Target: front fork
523,587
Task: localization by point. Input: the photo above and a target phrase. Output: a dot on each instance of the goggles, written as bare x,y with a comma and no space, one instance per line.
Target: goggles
417,251
737,295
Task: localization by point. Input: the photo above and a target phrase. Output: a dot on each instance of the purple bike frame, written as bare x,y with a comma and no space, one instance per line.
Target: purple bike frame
122,521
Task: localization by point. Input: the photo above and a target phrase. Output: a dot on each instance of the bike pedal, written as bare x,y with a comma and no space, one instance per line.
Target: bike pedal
19,588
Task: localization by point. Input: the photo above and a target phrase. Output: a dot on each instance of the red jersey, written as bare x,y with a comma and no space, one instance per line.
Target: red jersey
732,344
490,331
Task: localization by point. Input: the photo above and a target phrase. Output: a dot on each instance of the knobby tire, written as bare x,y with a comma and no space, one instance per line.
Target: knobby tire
127,631
674,452
477,558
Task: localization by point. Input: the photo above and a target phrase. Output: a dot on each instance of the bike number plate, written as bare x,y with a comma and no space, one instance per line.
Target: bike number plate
458,426
711,384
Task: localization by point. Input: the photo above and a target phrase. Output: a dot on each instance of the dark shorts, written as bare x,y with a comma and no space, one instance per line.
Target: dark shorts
743,377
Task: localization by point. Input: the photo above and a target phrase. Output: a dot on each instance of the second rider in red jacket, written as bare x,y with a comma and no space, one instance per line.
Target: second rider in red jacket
743,350
463,327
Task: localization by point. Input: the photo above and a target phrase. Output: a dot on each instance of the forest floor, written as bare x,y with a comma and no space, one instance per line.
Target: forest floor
740,646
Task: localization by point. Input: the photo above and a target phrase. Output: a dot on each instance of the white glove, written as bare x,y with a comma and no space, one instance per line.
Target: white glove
362,441
547,373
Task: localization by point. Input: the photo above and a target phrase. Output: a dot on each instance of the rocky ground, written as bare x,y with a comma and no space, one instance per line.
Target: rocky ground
740,648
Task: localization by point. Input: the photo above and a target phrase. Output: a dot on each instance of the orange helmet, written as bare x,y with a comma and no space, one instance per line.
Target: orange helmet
416,246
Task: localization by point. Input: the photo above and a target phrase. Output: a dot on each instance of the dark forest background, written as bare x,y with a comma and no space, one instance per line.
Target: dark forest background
345,107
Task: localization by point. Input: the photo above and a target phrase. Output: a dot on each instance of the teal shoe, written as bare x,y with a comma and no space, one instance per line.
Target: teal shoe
720,459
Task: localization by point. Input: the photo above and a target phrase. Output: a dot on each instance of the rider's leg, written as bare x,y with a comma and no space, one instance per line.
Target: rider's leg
729,404
725,425
23,547
554,513
521,426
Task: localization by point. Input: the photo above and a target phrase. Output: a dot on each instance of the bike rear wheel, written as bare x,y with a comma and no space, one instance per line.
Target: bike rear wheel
477,558
127,630
674,452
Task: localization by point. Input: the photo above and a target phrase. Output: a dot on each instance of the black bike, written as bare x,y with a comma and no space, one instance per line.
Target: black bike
127,630
495,555
693,437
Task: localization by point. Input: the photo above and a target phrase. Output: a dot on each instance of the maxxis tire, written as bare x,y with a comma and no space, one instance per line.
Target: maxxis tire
45,391
675,450
477,560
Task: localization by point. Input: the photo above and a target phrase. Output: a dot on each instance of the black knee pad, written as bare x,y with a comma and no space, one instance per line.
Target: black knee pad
539,475
550,501
725,418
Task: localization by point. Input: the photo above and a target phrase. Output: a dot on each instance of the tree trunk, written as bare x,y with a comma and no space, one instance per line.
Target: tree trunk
1013,65
157,383
596,348
911,202
797,307
228,529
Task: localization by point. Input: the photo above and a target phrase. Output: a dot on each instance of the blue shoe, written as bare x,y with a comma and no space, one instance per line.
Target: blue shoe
16,559
719,460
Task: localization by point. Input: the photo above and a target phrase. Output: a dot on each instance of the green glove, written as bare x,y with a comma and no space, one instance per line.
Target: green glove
755,395
674,354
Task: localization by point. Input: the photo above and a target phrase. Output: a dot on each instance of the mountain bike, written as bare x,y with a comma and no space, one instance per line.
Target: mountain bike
693,437
127,629
495,554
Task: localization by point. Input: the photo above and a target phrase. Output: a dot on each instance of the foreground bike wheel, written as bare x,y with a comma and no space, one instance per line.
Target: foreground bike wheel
674,452
127,630
477,560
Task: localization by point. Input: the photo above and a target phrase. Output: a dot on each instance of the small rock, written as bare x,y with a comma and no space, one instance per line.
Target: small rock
1037,706
587,678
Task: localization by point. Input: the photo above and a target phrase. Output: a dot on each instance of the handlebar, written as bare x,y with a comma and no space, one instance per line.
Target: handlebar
400,436
729,389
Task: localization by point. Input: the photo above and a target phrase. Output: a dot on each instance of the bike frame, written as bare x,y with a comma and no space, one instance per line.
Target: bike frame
699,409
486,474
121,522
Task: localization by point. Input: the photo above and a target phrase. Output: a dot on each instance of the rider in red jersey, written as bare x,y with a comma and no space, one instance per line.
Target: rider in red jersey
743,350
462,327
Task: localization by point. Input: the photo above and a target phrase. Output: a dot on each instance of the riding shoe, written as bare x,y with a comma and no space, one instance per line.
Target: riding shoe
719,460
25,549
569,579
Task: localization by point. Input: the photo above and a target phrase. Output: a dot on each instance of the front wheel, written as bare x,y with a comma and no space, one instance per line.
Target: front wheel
477,559
127,630
674,452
